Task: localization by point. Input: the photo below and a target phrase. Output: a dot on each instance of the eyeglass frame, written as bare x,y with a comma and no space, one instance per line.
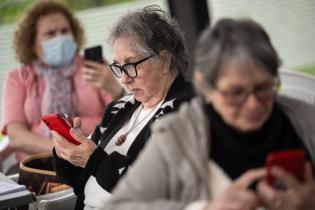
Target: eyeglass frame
122,68
273,89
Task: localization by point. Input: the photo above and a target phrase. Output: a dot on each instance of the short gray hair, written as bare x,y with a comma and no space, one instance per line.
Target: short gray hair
230,39
153,31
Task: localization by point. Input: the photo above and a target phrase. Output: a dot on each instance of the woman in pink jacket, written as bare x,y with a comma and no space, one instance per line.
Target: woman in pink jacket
54,78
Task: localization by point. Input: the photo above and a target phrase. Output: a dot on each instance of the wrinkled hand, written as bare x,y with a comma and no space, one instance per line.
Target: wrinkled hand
78,155
238,196
297,196
100,76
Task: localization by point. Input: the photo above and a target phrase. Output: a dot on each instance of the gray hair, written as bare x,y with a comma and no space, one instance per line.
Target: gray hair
230,39
153,31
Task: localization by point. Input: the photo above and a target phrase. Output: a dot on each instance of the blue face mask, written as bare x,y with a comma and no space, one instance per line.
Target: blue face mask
59,51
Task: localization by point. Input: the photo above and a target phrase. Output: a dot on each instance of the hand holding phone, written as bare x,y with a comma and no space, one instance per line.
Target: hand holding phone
94,54
292,161
59,123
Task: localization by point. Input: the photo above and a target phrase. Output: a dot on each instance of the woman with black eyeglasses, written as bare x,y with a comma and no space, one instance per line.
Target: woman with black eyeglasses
151,61
210,155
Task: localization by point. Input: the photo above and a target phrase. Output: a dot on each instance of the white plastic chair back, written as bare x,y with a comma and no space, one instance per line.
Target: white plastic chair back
62,200
298,85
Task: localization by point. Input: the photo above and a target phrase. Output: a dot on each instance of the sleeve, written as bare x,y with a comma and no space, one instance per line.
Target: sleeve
197,205
70,174
147,184
106,168
13,98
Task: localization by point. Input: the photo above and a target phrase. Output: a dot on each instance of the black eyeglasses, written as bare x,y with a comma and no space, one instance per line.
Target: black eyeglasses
263,92
130,69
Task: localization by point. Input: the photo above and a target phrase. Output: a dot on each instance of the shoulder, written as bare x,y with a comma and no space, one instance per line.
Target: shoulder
115,107
180,90
296,108
183,133
181,122
22,73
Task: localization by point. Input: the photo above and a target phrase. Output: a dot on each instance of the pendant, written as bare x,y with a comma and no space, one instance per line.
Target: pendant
120,140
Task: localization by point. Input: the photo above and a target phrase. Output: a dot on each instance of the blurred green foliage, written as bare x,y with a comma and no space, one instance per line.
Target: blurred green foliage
308,69
12,10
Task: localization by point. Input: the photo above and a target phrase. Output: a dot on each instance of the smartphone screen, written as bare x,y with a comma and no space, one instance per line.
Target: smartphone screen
292,161
56,122
94,54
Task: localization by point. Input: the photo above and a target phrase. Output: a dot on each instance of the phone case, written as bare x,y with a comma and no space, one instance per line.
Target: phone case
94,54
56,122
292,161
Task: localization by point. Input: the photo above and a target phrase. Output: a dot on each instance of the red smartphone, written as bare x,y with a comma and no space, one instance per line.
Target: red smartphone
292,161
59,123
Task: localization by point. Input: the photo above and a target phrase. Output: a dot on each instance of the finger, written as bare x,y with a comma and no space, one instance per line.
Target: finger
289,180
268,195
90,79
93,64
308,173
266,191
90,71
77,135
77,122
250,176
91,74
61,143
248,199
236,205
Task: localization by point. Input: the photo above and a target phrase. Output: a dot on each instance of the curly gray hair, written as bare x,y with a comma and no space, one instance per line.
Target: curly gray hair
153,31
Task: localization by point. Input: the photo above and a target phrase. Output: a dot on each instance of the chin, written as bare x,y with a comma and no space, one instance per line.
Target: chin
138,97
249,127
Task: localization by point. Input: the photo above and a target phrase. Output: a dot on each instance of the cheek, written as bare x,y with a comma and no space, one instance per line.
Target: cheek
147,81
256,120
229,114
38,50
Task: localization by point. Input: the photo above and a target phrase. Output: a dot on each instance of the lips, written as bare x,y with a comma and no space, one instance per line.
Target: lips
254,117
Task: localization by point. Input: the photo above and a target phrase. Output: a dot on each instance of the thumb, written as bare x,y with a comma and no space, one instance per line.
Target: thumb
77,122
77,135
249,177
308,174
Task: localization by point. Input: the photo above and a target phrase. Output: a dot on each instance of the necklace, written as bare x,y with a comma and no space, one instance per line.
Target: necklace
121,139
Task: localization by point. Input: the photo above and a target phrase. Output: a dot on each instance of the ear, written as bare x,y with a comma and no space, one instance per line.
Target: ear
202,86
166,58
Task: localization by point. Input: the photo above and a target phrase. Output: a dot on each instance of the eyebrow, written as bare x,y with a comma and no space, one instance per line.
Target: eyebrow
244,86
127,60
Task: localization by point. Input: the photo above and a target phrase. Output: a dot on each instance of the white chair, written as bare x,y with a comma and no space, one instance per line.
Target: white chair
298,85
62,200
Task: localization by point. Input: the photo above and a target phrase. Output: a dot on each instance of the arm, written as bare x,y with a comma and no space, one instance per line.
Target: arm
21,138
69,174
14,121
100,76
105,168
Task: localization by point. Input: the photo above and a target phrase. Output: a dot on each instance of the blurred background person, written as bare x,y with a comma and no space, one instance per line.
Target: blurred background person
208,154
150,58
51,80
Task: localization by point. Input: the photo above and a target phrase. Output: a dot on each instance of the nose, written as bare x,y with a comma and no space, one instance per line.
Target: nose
125,79
252,102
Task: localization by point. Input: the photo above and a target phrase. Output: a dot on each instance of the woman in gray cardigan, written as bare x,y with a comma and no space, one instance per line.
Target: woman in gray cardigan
208,155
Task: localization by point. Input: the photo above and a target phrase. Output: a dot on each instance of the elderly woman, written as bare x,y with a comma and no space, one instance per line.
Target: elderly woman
53,79
150,58
207,155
